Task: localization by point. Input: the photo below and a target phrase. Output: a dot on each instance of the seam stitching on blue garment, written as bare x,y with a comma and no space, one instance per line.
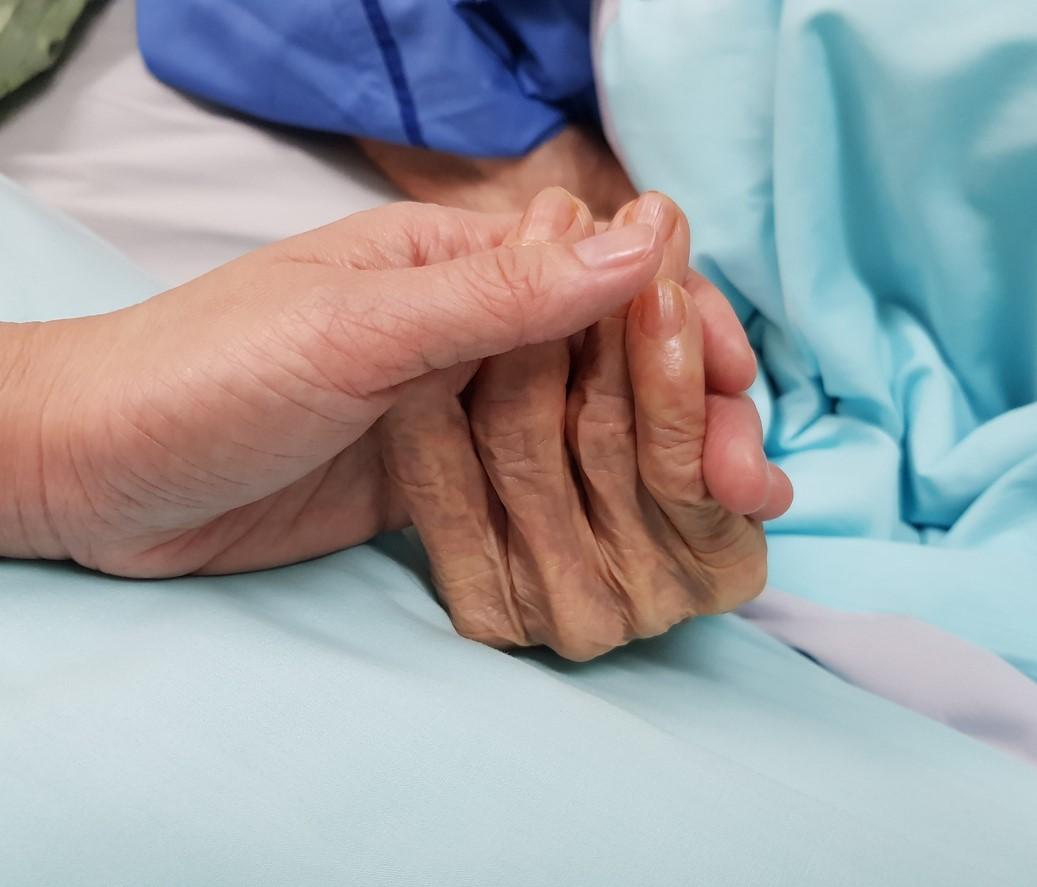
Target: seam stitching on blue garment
394,65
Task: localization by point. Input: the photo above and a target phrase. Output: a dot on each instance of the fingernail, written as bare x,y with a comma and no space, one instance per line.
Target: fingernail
662,313
620,246
655,210
551,214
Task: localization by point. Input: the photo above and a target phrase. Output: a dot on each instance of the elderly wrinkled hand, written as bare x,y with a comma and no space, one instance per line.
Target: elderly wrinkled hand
580,494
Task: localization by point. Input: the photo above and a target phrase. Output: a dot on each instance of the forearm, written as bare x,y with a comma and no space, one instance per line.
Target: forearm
27,382
577,160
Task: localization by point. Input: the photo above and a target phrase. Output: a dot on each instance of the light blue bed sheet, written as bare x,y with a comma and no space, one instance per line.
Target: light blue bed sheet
323,724
862,182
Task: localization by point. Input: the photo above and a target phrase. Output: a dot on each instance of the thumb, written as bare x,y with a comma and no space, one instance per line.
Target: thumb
416,320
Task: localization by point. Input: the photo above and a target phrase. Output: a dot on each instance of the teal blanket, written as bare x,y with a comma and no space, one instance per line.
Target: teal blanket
862,182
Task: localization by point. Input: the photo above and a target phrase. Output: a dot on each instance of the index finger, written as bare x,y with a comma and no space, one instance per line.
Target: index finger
730,363
729,358
400,235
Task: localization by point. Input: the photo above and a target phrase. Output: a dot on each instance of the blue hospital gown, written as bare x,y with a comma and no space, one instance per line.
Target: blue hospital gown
465,76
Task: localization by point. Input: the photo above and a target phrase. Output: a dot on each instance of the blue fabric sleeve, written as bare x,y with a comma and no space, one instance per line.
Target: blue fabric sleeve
474,77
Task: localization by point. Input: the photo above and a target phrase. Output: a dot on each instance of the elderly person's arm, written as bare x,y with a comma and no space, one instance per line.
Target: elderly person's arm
265,413
577,159
475,105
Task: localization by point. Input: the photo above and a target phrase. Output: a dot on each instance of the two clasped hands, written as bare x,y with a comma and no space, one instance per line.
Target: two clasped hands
557,406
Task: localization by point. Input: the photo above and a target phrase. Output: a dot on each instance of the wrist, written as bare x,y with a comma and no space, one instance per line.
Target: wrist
28,384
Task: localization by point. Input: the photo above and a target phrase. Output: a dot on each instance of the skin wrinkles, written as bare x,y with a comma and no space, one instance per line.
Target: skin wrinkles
591,457
578,479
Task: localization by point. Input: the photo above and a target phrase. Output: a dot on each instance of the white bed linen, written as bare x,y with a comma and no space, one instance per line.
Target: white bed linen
177,185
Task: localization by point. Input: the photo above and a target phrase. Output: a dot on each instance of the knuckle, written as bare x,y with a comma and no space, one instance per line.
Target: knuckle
505,446
655,588
601,428
509,284
481,615
497,415
724,540
670,462
736,568
591,634
577,649
437,232
516,449
603,425
396,234
491,288
519,279
677,439
501,277
606,412
419,223
571,611
490,635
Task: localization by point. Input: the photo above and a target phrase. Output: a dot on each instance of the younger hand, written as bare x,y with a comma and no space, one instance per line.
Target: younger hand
226,425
